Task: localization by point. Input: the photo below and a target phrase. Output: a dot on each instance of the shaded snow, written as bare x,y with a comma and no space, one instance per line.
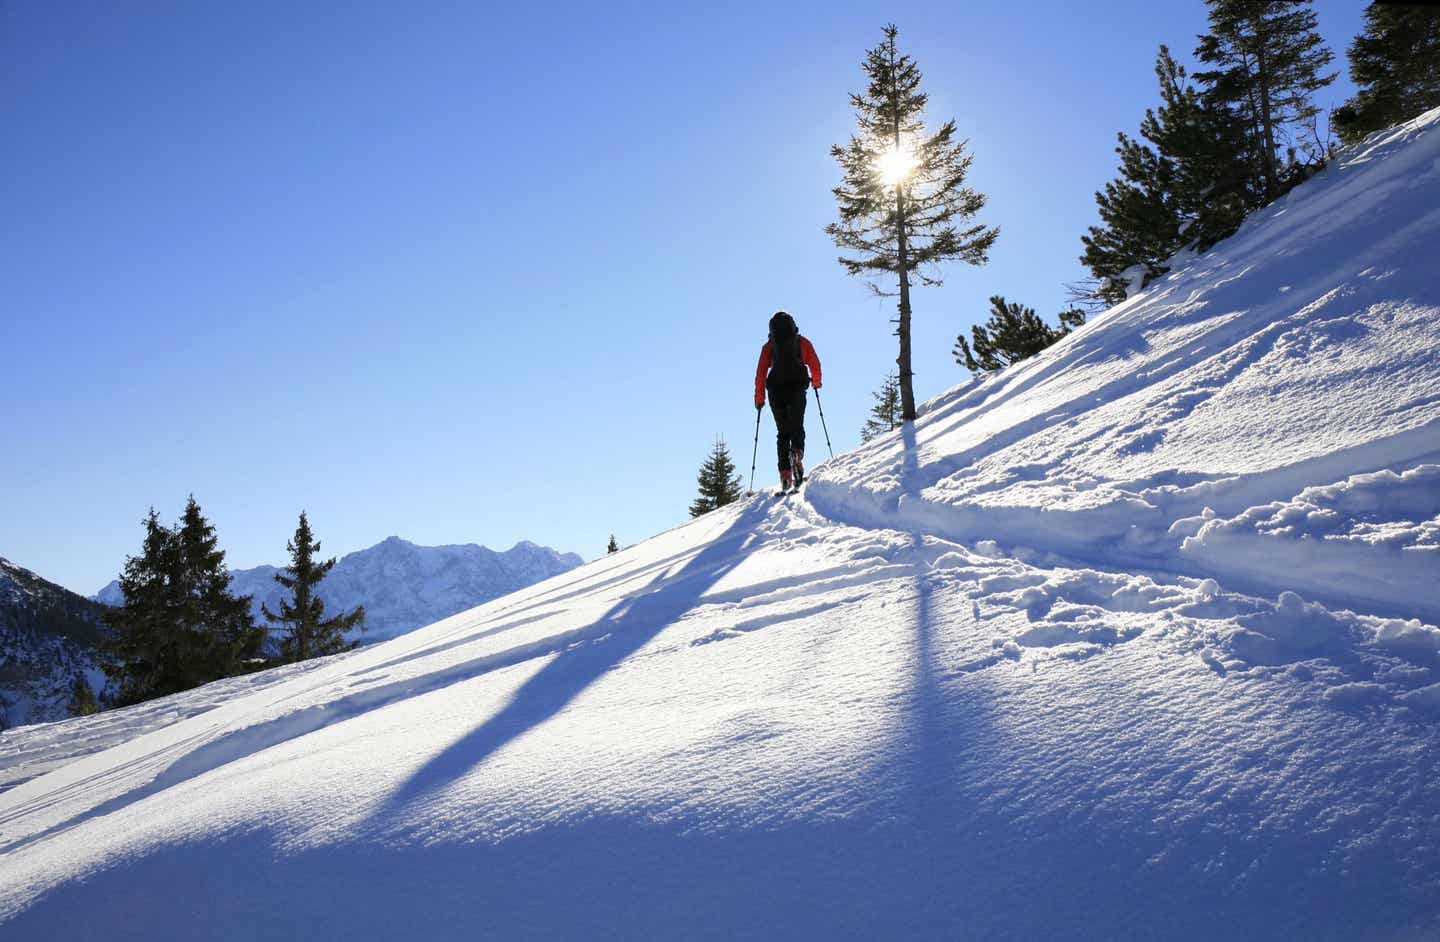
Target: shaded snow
1060,660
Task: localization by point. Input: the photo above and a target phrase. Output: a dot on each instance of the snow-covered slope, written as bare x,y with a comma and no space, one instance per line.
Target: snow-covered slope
404,586
1182,428
1002,675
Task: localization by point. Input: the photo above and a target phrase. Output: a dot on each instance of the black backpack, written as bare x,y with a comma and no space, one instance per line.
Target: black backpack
786,367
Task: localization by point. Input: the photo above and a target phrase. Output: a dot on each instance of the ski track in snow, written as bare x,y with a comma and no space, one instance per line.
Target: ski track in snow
1134,640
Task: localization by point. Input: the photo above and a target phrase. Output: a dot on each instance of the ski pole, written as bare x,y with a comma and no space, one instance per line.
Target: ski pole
822,422
755,450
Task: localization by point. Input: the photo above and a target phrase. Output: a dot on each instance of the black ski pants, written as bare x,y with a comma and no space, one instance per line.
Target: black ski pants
787,404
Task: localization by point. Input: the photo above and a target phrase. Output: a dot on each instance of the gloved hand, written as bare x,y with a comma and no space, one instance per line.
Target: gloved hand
759,404
816,385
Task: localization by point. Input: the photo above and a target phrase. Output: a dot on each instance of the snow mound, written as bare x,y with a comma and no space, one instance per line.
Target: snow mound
1063,659
1376,536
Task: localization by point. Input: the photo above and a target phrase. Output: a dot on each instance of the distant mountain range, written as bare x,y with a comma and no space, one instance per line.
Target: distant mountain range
404,586
48,633
47,637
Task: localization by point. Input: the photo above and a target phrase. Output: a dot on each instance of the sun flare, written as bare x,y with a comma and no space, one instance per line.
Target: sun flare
895,165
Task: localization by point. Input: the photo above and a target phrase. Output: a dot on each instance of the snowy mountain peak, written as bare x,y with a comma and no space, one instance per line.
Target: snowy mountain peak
404,585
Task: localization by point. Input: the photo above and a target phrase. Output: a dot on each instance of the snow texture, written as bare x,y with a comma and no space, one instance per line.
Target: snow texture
1136,639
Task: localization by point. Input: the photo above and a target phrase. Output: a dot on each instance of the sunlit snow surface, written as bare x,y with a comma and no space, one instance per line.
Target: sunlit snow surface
1136,640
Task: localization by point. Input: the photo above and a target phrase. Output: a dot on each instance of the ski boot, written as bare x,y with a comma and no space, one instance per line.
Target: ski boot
797,464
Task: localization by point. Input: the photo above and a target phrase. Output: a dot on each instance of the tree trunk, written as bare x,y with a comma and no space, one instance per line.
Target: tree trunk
907,391
1272,184
902,258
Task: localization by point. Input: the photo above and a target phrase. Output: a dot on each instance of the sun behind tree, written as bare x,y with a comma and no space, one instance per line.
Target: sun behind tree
903,203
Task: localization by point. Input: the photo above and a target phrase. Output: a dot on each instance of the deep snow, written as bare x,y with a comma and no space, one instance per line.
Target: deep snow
1135,640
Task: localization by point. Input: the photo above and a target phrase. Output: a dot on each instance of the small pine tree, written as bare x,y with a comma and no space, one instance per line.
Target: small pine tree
1013,333
904,206
1267,60
308,633
614,547
1395,64
885,413
82,698
719,484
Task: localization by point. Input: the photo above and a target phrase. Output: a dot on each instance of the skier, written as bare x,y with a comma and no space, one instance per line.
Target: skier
785,358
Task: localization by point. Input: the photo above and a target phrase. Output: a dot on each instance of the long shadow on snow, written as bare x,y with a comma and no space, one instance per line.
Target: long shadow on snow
931,773
1041,850
631,624
586,653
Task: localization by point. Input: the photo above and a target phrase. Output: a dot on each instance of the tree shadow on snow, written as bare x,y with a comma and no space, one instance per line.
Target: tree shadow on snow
617,634
929,771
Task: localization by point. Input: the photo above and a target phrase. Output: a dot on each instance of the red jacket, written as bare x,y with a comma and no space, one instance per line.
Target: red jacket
807,356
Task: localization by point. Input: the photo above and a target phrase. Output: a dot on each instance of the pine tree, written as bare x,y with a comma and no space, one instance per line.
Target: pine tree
308,633
885,413
82,698
148,646
1267,60
1186,186
224,630
903,204
1141,228
1395,64
719,484
1013,333
179,626
615,547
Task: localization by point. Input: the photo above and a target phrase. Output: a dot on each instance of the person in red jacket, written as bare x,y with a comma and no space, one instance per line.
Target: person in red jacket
788,365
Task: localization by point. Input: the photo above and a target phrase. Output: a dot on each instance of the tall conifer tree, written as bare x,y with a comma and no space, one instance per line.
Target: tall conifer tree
1187,185
308,633
719,484
145,654
179,625
1395,64
1268,61
223,628
904,206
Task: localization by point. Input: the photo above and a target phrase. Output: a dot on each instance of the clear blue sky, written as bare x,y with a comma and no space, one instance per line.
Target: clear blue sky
473,273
